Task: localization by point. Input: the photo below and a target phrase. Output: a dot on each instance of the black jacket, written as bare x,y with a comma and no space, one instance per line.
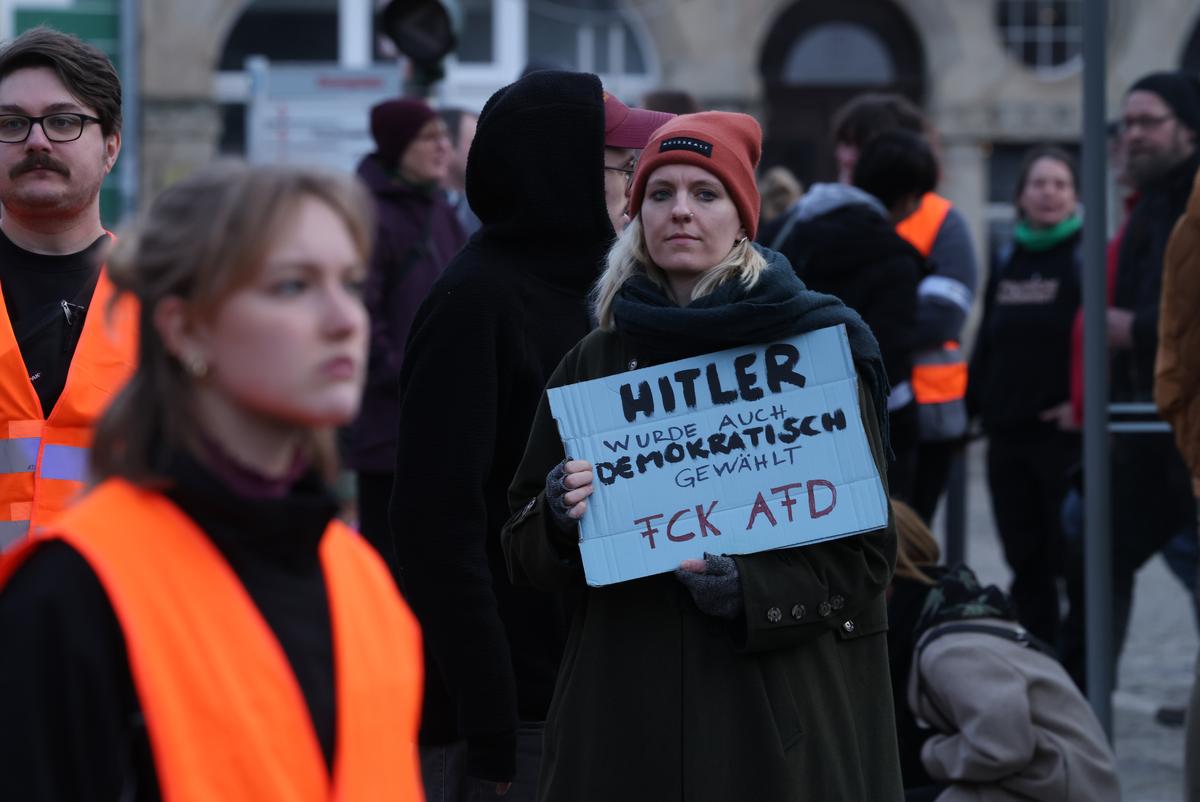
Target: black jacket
1021,364
480,351
1139,277
853,252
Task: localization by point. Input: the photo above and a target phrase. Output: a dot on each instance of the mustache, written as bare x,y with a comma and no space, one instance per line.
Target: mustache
39,161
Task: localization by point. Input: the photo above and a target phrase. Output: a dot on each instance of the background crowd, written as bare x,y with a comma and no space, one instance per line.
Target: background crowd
191,381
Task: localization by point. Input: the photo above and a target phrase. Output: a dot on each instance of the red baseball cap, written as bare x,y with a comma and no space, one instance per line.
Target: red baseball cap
629,128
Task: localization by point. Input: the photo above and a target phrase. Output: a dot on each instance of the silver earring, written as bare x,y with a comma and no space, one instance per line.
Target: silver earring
196,366
739,241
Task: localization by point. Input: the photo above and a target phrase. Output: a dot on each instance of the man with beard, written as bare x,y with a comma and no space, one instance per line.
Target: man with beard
60,133
1151,487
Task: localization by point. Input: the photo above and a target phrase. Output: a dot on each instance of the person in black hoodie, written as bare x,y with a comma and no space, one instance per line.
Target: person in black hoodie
1020,383
1151,487
841,240
547,175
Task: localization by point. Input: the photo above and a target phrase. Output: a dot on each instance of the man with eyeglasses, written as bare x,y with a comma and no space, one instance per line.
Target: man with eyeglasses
1152,497
60,133
481,348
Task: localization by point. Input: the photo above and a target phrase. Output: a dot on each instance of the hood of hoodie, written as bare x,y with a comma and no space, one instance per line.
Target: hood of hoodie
824,198
535,174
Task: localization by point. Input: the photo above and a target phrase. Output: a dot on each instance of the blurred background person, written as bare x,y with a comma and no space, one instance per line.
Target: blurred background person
841,240
672,101
1152,500
1177,394
460,125
200,626
417,235
983,711
1020,375
779,190
944,297
731,694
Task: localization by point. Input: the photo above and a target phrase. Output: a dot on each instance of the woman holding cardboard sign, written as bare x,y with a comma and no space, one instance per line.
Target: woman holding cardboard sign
760,676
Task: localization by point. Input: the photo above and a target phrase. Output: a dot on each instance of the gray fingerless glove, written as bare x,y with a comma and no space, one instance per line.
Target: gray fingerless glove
556,489
717,591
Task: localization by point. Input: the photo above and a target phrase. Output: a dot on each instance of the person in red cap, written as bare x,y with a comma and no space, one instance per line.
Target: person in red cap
759,676
547,175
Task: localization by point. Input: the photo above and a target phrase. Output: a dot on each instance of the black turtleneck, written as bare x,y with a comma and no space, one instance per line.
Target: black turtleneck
73,727
47,297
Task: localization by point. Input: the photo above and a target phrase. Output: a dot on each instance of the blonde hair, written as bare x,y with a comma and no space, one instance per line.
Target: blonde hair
629,257
917,546
201,240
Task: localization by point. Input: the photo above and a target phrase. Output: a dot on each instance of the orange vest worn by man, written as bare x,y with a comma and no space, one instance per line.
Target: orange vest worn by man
939,377
43,458
224,711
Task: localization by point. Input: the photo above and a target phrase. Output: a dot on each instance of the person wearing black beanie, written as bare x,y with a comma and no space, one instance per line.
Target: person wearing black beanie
1151,495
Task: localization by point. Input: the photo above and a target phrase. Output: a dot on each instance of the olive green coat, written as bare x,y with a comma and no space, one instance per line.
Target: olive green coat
657,701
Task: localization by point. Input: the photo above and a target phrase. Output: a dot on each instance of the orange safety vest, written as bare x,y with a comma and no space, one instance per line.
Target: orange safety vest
939,377
921,227
224,712
43,460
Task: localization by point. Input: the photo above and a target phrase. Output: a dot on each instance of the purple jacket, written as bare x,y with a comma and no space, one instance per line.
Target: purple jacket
416,236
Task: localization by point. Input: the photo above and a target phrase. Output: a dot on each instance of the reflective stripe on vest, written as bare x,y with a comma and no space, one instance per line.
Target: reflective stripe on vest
939,381
922,226
43,461
224,712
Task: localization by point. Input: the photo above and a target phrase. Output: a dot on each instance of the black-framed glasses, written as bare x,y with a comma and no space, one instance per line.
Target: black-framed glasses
58,127
628,171
1145,122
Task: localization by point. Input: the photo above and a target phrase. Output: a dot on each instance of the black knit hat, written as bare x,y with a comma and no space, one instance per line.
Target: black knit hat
396,123
1179,90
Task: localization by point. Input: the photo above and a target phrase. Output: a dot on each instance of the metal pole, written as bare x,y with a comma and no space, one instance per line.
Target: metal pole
1097,530
956,510
131,106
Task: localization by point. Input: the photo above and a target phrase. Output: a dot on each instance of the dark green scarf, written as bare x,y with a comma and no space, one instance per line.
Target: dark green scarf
958,596
778,306
1043,239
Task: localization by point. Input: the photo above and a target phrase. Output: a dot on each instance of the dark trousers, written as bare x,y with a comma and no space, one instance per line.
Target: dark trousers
1152,502
902,471
1028,480
932,473
444,771
374,496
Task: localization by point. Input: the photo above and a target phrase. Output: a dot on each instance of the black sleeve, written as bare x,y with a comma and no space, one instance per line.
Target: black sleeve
72,728
981,358
890,309
450,410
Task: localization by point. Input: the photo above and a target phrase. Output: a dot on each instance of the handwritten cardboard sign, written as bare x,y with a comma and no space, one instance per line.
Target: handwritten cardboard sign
741,451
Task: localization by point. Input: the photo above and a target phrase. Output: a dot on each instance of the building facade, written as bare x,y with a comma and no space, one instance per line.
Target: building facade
995,76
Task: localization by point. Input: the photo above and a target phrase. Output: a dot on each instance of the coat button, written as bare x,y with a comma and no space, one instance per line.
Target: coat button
849,627
774,615
823,609
837,602
798,611
633,364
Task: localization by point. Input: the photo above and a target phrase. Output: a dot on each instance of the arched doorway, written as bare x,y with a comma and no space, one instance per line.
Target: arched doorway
818,56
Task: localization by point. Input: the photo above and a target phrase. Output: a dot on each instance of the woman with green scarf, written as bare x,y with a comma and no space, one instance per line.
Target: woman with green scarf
1020,382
